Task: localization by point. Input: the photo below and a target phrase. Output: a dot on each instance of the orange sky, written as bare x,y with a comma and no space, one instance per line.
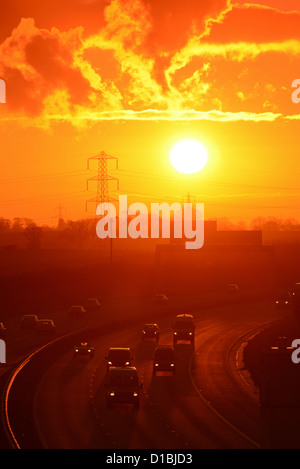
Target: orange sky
133,77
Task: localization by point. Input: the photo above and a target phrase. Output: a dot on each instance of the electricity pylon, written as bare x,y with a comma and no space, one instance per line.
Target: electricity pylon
102,178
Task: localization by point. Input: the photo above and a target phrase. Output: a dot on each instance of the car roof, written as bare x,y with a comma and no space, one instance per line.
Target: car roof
150,324
122,369
184,316
164,347
119,348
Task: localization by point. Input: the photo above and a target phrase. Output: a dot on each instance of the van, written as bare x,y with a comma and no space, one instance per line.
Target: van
184,328
122,386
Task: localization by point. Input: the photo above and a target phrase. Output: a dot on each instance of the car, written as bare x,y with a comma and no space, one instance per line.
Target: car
122,386
45,326
118,356
232,289
150,331
93,304
84,349
284,299
160,298
164,359
184,328
2,331
77,311
29,321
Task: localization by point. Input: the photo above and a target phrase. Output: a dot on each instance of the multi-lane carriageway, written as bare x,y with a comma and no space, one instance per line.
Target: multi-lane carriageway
52,400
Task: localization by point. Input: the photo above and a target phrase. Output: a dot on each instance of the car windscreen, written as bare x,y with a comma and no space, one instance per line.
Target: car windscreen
119,355
184,323
164,355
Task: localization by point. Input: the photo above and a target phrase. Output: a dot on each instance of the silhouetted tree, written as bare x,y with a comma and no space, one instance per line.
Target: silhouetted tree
78,232
34,234
5,224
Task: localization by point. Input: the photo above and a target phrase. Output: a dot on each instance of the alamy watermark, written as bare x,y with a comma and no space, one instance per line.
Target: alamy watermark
2,91
187,223
296,93
2,351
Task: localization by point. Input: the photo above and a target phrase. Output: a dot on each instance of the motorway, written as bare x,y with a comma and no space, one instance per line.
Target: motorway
206,404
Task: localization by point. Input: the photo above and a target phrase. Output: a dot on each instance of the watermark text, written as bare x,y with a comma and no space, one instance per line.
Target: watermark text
136,222
2,351
296,93
2,91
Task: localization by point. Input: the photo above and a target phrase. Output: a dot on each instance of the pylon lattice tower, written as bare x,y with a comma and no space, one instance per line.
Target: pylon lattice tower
102,178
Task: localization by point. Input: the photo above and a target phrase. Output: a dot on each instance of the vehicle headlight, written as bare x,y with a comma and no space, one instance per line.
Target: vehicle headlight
135,394
112,394
110,363
127,363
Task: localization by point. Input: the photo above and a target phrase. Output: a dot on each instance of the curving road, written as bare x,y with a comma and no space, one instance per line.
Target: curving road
205,405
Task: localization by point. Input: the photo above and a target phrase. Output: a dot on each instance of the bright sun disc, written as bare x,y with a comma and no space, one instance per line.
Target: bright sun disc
188,156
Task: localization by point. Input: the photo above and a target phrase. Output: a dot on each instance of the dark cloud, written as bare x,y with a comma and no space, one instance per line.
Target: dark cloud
53,61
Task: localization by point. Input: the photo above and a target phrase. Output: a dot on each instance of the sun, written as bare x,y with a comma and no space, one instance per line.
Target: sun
188,156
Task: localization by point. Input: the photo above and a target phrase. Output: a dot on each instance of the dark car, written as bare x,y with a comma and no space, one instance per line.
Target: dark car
84,349
164,359
29,321
45,326
77,311
284,300
184,328
150,331
93,304
160,298
122,386
2,331
118,356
